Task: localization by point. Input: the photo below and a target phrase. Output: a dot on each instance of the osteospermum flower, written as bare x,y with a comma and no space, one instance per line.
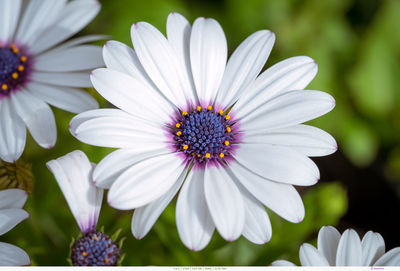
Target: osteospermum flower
11,214
73,173
36,71
346,250
230,139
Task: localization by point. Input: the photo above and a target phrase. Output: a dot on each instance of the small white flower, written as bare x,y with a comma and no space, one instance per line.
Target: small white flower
11,213
35,71
73,173
346,250
229,139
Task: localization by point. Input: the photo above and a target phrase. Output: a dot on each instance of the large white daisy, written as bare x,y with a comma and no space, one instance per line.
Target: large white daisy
35,71
228,138
346,250
11,213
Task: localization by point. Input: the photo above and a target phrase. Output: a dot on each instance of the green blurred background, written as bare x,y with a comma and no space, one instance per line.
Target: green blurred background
356,44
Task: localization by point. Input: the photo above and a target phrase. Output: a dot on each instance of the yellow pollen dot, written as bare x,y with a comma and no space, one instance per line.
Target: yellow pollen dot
220,112
192,154
106,260
21,68
84,254
209,107
221,155
177,125
198,155
14,75
13,45
23,58
226,142
15,50
199,108
185,147
179,133
228,129
95,237
4,87
208,155
184,113
227,117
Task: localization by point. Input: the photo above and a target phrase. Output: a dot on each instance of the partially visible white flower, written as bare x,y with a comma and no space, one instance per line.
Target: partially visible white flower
73,173
346,250
11,213
36,71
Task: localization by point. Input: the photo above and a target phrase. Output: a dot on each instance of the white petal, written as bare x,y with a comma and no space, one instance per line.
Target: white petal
9,218
75,16
193,219
114,164
208,54
37,116
12,133
131,95
160,62
144,217
305,139
290,74
224,202
145,181
391,258
69,99
328,240
277,163
281,198
11,255
9,14
38,15
68,79
12,198
73,173
244,65
78,58
282,263
373,247
288,109
310,256
349,252
80,41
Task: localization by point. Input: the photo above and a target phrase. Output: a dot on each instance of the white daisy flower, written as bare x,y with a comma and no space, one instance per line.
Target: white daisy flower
36,71
11,213
346,250
229,138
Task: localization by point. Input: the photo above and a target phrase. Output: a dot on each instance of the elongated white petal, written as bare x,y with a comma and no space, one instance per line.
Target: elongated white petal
69,99
306,139
9,14
160,62
68,79
114,164
74,16
373,247
12,133
278,163
349,252
9,218
328,240
11,255
244,65
281,198
224,202
79,41
73,173
78,58
208,54
144,217
193,219
12,198
282,263
290,74
288,109
37,116
145,181
391,258
131,95
310,256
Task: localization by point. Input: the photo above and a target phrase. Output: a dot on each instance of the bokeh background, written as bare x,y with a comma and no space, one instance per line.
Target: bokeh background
356,44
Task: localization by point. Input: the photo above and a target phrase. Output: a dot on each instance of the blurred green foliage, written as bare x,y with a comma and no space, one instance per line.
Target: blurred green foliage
357,47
